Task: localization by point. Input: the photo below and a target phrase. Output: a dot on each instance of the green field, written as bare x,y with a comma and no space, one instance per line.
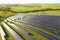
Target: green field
9,10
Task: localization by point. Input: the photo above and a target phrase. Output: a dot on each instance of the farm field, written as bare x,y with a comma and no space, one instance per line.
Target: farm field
30,22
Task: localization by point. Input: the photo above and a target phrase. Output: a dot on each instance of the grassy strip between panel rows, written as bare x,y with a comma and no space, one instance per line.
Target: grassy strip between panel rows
34,34
57,30
8,35
55,35
0,37
18,32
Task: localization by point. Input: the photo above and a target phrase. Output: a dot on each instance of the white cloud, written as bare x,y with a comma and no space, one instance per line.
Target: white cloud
27,1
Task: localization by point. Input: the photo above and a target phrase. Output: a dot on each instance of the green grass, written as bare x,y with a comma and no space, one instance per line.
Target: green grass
18,32
31,7
34,7
21,8
8,35
50,5
6,14
49,13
